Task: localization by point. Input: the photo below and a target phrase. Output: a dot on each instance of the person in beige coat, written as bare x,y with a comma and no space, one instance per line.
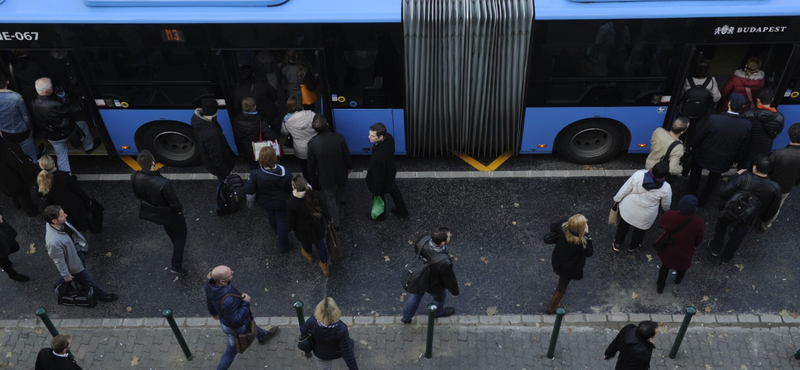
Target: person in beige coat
661,141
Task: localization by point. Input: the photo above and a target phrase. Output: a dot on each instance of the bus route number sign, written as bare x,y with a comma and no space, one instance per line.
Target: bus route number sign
19,36
172,35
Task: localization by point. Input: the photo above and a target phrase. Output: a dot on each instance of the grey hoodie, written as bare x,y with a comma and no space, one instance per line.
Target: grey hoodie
64,250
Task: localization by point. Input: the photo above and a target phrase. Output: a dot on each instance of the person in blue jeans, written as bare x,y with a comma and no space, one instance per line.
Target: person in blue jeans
15,122
232,309
441,278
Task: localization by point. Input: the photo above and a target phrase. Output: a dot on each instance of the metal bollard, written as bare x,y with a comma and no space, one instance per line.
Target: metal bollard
167,313
42,313
690,311
301,319
797,355
560,312
431,316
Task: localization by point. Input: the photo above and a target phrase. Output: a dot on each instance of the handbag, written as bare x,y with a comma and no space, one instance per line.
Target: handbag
378,207
95,216
157,214
257,145
551,237
305,342
76,137
332,241
288,142
666,237
613,214
309,96
248,337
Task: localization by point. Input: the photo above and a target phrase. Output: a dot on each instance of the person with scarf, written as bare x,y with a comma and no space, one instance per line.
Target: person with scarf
574,245
767,124
308,218
638,200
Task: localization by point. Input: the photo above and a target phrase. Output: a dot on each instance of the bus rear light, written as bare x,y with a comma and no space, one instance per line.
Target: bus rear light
542,145
642,145
124,147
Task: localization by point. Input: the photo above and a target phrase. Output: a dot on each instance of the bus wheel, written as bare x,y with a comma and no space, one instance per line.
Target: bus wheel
172,144
590,142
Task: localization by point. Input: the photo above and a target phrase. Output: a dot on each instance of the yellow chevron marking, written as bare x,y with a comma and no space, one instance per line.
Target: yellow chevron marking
479,166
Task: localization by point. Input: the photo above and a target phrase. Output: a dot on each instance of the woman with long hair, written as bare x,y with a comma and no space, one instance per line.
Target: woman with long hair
271,185
61,188
308,218
331,337
569,255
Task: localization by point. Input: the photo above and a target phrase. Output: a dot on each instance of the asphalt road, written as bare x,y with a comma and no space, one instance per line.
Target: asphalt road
502,264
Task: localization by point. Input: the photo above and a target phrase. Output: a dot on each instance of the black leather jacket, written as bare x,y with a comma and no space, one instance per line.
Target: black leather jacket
155,189
54,117
766,126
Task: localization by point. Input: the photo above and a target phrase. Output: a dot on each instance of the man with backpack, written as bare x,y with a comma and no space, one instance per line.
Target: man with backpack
752,197
435,278
666,146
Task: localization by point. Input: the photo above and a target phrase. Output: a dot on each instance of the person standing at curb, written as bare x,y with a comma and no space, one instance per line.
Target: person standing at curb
150,187
678,255
785,169
329,163
574,245
15,122
662,140
232,309
218,157
635,346
382,171
638,200
331,337
57,357
441,276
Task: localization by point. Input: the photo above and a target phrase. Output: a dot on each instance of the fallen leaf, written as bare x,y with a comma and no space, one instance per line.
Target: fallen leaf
9,354
793,315
707,309
129,309
39,330
402,297
386,258
634,295
32,249
784,313
366,299
542,259
705,298
410,242
468,284
484,260
491,311
538,324
266,290
363,342
513,222
740,266
649,257
709,367
516,205
135,361
175,279
569,330
108,254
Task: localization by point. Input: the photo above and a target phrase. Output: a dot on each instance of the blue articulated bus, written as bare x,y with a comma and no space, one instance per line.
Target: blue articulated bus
585,79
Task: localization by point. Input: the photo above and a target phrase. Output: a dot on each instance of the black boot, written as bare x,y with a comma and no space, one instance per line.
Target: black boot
16,276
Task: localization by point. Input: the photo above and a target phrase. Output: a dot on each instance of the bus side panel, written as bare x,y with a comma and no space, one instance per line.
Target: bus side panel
354,125
399,118
123,123
542,125
791,115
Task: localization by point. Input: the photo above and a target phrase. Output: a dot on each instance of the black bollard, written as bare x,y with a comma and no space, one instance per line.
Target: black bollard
431,316
301,319
167,313
560,312
42,313
797,355
690,311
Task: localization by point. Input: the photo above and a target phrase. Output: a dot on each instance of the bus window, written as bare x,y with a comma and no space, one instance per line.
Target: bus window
155,96
173,64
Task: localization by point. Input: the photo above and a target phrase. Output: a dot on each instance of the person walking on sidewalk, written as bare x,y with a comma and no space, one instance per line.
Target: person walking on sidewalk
638,200
331,337
769,199
382,171
67,247
9,245
149,186
232,309
57,356
441,277
678,255
309,219
635,346
785,169
329,162
574,245
217,155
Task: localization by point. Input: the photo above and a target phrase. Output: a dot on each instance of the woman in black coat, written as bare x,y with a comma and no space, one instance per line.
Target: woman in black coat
17,176
331,337
61,188
308,218
569,256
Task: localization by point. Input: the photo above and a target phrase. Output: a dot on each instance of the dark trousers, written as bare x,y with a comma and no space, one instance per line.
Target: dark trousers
322,250
694,183
176,231
399,203
562,284
220,202
737,236
622,231
5,264
662,276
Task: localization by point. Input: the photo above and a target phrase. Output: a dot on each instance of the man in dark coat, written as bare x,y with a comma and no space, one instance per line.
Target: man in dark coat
57,357
17,176
329,162
767,124
9,245
151,187
769,198
441,278
232,309
381,173
635,346
218,158
721,141
786,168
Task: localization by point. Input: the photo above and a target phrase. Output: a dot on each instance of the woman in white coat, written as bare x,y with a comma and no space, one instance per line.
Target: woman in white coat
639,199
297,123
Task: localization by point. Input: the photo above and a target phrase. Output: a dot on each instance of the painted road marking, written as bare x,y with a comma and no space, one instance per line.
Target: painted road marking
479,166
131,162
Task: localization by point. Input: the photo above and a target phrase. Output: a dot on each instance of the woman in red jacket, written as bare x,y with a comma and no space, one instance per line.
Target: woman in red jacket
746,81
678,255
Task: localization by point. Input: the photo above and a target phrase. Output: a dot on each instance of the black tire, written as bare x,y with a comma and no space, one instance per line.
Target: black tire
172,143
590,141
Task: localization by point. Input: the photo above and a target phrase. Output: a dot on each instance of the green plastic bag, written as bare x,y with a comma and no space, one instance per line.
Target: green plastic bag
378,207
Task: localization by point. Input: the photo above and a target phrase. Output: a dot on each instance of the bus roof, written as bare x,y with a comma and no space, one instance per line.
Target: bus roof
572,10
294,11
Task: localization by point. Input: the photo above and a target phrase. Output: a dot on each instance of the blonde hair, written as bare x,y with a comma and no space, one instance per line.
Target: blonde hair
45,178
327,312
574,229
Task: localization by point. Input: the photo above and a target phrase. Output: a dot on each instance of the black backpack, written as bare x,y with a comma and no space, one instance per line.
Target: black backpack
696,100
742,207
232,193
417,272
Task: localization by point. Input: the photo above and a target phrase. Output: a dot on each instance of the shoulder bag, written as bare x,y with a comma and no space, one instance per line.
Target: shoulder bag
666,237
257,145
149,212
613,214
305,342
248,337
332,241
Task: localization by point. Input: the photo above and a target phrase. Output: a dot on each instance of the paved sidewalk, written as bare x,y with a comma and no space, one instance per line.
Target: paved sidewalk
465,342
